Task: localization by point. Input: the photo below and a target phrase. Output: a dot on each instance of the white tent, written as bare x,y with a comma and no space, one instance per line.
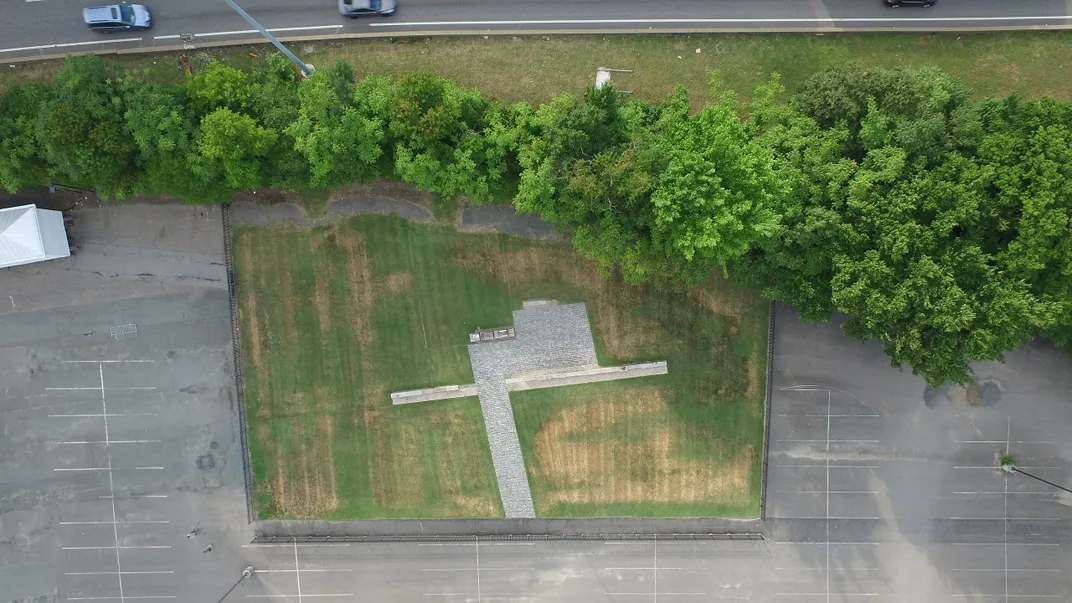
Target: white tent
29,235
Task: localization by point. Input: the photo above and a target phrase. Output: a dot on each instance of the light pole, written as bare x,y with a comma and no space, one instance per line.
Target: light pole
306,68
1008,465
246,573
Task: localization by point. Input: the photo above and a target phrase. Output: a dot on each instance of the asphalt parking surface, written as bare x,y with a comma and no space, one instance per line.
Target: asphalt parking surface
116,444
117,415
898,488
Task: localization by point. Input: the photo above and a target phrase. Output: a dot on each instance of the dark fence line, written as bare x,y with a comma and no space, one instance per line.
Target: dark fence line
744,536
236,344
767,414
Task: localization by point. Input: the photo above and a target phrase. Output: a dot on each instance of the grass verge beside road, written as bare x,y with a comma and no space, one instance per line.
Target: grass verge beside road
335,318
534,67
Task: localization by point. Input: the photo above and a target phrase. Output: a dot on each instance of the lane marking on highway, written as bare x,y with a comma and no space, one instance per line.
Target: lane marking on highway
743,20
240,32
68,45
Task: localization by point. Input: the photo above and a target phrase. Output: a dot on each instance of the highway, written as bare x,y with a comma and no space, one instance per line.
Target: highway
39,28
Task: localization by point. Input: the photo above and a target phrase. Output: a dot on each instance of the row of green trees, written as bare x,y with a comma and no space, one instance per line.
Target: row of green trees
938,224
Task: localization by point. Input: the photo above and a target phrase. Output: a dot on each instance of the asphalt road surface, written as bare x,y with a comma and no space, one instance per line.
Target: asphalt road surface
30,28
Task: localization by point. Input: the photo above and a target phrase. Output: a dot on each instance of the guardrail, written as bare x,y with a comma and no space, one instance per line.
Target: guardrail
236,344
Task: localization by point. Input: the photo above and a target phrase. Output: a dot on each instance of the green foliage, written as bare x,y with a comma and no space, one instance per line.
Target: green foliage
81,131
233,145
436,131
892,219
655,192
218,85
942,227
22,164
341,143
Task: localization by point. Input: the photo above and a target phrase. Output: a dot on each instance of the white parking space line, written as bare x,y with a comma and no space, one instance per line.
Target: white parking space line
304,570
291,596
95,389
1006,442
61,469
1005,518
998,596
825,492
94,548
484,569
119,573
108,523
660,594
828,441
112,414
109,362
1011,569
867,416
827,594
107,442
127,598
1004,544
832,467
289,545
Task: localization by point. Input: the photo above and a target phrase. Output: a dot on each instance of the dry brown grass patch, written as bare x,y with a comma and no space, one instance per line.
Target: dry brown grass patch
753,377
718,303
487,265
359,271
594,469
398,282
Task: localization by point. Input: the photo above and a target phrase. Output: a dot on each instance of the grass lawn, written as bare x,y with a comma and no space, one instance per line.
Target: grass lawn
335,318
532,68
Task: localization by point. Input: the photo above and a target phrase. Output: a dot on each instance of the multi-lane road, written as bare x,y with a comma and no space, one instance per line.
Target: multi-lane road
34,28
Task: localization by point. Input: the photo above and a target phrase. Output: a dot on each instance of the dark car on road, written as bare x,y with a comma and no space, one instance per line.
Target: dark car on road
923,3
117,17
362,8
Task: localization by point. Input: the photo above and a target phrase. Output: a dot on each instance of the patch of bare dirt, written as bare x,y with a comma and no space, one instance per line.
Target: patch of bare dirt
398,282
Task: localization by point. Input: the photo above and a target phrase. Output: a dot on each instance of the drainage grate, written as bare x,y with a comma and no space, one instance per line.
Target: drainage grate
120,330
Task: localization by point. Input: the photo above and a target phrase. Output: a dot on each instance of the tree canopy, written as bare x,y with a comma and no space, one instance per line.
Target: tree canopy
938,224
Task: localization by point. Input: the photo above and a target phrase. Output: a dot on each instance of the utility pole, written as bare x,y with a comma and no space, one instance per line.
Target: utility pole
306,68
246,573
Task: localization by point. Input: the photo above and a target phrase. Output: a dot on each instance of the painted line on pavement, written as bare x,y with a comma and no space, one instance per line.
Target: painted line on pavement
241,32
68,44
721,21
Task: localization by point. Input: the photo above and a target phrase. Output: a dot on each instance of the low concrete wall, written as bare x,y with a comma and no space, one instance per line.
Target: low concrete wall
402,530
431,394
587,375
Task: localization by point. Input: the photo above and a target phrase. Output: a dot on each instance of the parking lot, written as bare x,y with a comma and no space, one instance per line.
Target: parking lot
120,464
902,498
117,412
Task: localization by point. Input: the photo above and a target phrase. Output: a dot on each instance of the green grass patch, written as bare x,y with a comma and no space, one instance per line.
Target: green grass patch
533,68
335,318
